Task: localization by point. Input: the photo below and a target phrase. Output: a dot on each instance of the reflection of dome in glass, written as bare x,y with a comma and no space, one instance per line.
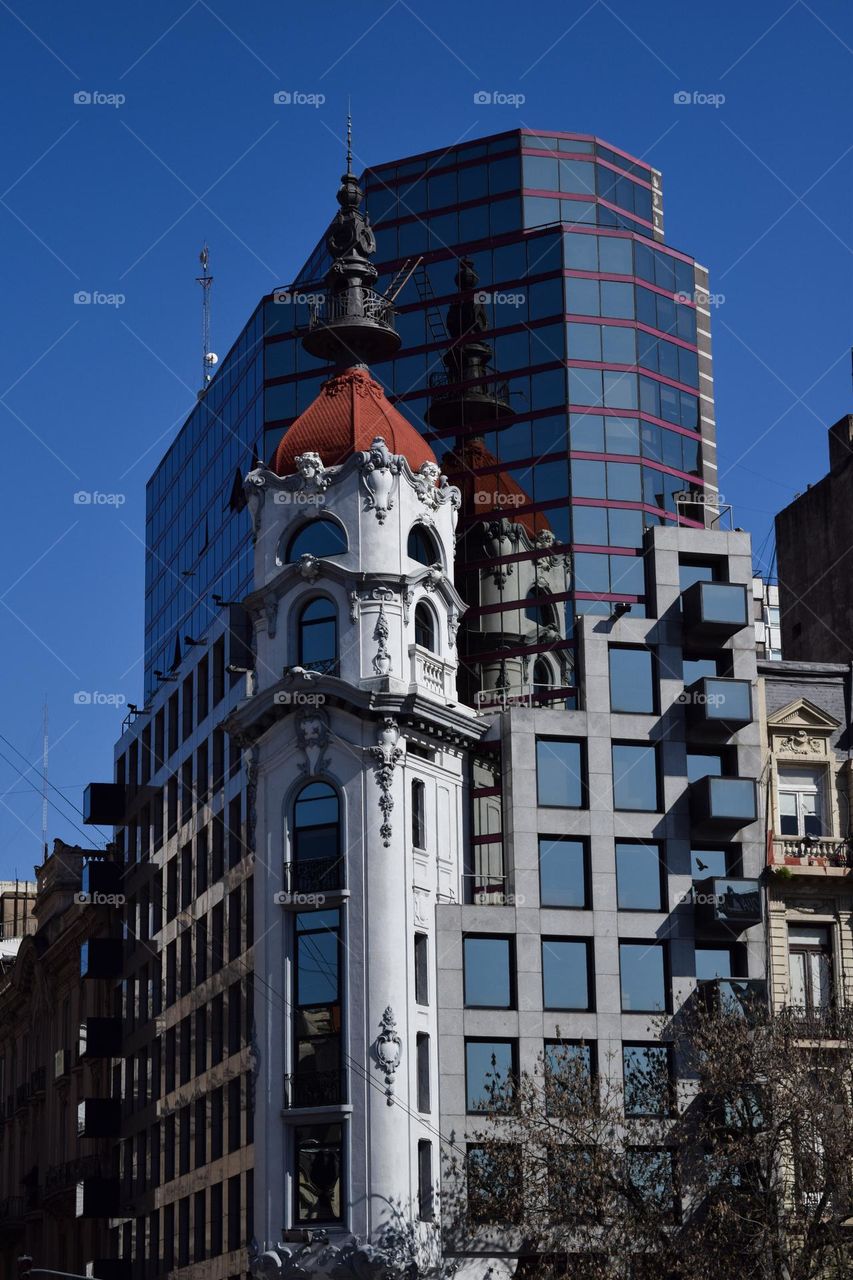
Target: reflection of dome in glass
492,493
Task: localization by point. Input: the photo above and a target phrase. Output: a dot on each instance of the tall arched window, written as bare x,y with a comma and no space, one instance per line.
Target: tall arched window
422,546
418,814
319,538
542,674
424,627
316,843
318,636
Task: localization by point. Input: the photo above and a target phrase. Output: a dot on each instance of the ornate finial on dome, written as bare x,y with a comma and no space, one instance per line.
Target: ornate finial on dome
353,324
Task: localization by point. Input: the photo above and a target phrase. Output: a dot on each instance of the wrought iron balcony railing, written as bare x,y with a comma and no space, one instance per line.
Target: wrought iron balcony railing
314,875
314,1089
819,1022
354,303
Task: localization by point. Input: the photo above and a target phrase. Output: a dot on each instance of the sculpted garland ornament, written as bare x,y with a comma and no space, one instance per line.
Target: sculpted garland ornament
388,755
389,1051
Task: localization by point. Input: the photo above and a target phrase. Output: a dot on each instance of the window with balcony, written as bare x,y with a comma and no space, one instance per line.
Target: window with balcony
810,967
316,840
802,801
317,634
425,629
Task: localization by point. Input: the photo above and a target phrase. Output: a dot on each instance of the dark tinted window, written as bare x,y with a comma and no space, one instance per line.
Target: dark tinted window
562,872
638,876
714,962
488,972
646,1072
632,686
643,970
635,777
559,773
489,1067
320,538
565,973
318,635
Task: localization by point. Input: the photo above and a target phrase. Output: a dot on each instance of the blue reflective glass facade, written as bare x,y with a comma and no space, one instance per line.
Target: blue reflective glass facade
596,335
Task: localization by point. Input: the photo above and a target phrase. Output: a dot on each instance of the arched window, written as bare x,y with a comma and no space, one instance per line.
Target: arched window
318,636
422,546
418,814
316,843
541,674
319,538
424,627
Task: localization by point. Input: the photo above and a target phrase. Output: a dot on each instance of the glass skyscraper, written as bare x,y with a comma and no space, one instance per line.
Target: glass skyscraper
600,364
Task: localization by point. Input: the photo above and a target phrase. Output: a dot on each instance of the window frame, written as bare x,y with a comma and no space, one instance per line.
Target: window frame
650,945
583,841
654,701
328,666
637,746
509,939
583,800
513,1054
589,951
657,846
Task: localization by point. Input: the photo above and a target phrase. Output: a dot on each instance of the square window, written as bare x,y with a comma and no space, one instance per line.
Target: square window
623,481
646,1073
488,975
490,1068
619,344
639,879
585,386
589,526
562,872
614,255
592,572
587,432
580,251
620,390
635,777
632,680
559,773
617,299
626,527
643,977
540,173
584,341
588,479
582,297
577,177
565,973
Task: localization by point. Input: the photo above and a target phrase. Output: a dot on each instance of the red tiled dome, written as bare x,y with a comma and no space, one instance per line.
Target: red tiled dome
494,491
348,414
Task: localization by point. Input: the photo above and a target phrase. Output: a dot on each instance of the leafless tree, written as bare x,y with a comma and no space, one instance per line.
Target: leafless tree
736,1164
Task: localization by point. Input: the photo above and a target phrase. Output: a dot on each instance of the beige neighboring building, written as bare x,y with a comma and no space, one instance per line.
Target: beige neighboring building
807,781
17,899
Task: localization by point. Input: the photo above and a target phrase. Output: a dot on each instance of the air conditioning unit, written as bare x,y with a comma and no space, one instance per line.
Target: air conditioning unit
61,1063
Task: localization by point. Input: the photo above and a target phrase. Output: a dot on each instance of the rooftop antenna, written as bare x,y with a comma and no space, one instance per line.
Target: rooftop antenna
208,358
349,136
44,760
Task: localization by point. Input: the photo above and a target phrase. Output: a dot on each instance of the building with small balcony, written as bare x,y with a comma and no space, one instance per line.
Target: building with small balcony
806,795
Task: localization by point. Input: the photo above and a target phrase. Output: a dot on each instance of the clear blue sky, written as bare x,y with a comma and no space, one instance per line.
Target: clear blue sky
118,199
